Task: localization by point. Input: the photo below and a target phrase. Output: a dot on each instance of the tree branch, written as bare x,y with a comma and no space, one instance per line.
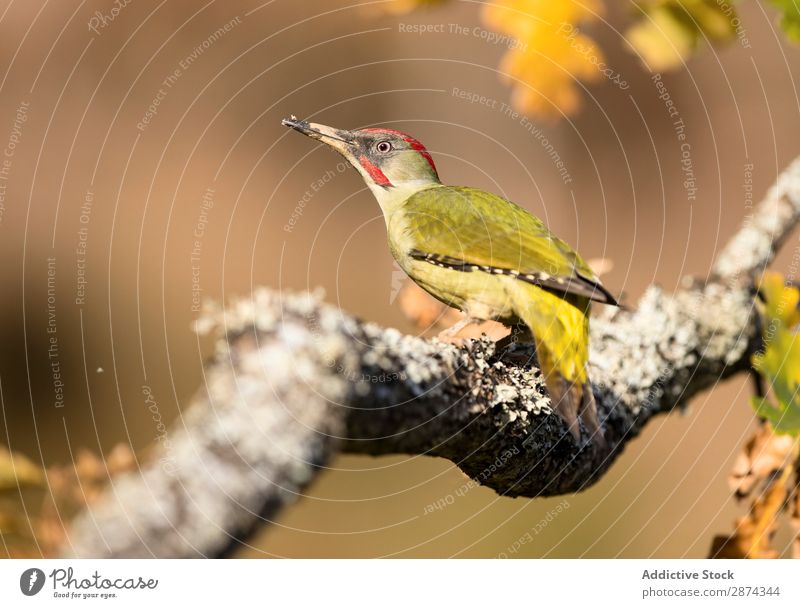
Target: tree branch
295,380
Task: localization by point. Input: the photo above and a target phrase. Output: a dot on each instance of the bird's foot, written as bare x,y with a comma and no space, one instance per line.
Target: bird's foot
450,335
518,348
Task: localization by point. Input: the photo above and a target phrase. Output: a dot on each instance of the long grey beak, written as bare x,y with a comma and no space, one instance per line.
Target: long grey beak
338,139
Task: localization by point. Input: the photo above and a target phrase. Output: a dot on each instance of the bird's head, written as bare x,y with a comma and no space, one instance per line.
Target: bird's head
394,165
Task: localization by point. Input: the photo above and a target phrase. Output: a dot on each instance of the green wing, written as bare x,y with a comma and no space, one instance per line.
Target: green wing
472,230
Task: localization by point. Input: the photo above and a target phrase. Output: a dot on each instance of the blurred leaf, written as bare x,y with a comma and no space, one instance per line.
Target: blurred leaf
11,523
670,30
779,363
762,457
770,456
785,418
663,42
781,300
790,18
548,53
17,470
33,526
755,530
795,520
17,525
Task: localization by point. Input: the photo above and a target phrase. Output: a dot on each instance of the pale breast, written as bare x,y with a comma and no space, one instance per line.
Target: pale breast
479,294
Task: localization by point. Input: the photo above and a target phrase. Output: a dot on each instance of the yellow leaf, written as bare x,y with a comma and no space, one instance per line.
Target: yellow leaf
781,300
551,53
670,30
779,362
662,42
17,470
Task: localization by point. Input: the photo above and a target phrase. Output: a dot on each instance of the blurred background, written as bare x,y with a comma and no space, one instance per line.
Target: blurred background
145,169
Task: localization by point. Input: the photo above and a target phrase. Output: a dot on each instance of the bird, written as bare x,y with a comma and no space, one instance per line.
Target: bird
484,255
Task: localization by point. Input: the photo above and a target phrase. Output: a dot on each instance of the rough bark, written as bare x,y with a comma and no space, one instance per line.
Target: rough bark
295,381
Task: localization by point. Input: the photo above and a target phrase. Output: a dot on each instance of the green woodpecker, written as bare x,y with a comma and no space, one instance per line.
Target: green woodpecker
482,254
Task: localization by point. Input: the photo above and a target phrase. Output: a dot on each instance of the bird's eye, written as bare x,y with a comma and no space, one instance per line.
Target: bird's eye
383,147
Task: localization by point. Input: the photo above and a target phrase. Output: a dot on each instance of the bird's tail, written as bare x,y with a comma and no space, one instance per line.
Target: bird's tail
560,328
572,401
565,396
